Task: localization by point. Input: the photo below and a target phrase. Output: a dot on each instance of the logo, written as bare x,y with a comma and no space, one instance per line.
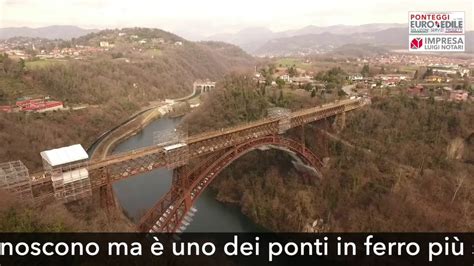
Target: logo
436,31
436,22
416,43
437,43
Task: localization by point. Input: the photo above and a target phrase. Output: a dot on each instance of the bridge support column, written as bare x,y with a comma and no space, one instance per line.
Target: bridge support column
106,192
107,197
180,183
178,177
303,141
340,122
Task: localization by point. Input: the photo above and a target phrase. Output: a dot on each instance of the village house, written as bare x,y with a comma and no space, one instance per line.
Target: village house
458,95
158,40
303,80
285,78
433,78
418,91
38,105
356,77
391,80
392,77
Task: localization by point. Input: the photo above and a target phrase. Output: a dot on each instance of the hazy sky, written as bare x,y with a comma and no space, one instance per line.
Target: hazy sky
206,17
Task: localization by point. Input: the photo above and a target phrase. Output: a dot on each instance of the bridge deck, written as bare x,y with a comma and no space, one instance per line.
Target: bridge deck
126,164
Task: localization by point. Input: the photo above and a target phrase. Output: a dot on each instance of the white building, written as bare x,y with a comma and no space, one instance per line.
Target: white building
285,78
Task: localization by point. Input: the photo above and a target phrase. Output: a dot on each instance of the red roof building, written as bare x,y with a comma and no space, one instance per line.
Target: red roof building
417,90
38,105
458,95
43,106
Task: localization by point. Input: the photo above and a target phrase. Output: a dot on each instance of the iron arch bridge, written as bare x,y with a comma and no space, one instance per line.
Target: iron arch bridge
169,213
219,148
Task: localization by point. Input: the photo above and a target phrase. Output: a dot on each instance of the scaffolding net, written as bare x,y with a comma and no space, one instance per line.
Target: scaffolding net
14,177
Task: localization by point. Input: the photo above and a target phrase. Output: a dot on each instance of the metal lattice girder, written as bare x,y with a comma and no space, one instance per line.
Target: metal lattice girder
167,215
124,165
146,159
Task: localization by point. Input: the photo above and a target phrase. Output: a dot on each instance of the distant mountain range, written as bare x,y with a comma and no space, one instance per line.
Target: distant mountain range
396,38
50,32
262,41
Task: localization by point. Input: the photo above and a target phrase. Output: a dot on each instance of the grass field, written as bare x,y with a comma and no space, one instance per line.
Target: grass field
154,52
42,63
288,62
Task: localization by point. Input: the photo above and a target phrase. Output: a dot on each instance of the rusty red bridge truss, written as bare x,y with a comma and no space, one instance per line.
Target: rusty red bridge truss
198,160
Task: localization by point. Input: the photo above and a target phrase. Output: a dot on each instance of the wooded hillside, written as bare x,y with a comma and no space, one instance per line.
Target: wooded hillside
114,84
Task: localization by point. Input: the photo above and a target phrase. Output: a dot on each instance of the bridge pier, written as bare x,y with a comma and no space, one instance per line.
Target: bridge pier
339,122
303,141
180,179
106,192
107,198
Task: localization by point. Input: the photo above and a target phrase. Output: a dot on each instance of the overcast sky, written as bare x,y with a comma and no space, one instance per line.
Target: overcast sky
206,17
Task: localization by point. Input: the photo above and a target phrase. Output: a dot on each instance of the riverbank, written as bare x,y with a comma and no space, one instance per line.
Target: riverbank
106,143
112,138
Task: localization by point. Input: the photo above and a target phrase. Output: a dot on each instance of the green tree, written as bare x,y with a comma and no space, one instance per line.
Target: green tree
292,71
365,70
280,97
466,83
429,72
280,83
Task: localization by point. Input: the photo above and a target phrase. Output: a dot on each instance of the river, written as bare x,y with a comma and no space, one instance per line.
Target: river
139,193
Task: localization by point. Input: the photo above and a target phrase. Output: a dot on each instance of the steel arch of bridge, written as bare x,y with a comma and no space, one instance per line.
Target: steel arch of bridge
168,213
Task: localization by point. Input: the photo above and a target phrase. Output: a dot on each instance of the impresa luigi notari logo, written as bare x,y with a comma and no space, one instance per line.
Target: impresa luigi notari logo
416,43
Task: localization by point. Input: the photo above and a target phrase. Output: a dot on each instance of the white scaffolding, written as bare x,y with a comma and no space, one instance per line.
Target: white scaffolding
67,167
72,185
14,177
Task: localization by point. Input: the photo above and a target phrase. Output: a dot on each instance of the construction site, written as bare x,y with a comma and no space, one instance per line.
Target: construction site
14,178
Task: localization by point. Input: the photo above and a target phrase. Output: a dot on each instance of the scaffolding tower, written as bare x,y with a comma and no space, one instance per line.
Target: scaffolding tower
72,185
67,167
14,177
